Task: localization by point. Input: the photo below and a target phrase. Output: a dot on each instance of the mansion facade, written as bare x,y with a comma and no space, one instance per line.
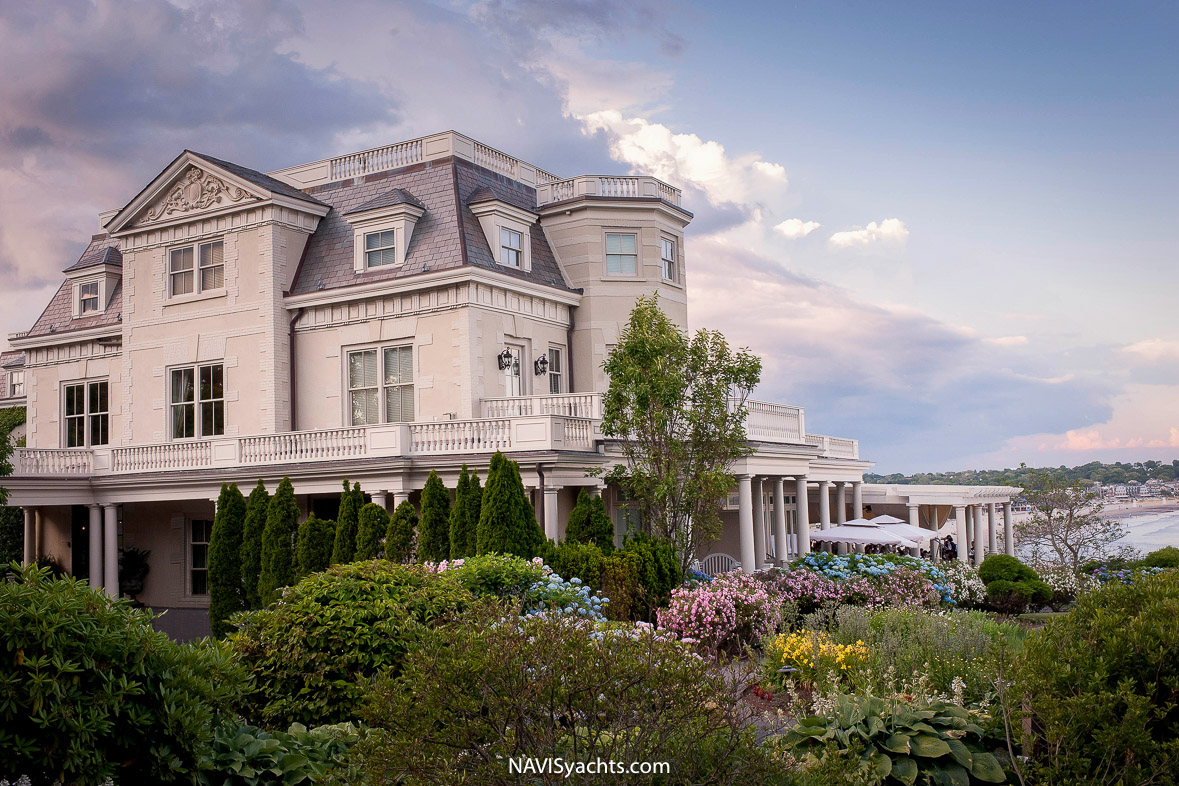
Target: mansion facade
373,316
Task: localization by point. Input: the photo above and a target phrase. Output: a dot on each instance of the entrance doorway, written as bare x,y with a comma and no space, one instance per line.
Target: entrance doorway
80,542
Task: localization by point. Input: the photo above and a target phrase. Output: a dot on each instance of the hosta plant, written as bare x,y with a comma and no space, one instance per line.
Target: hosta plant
243,755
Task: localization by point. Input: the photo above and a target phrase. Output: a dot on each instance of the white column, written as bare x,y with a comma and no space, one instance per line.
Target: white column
960,532
781,547
980,535
857,500
969,527
380,498
825,504
759,521
803,517
550,512
30,554
399,497
110,550
745,522
95,527
915,521
841,502
597,489
992,529
1008,535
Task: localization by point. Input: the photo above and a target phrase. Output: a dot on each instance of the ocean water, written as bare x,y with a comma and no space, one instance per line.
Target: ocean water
1151,531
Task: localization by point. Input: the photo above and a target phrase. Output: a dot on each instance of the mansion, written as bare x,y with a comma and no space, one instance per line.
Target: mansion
376,316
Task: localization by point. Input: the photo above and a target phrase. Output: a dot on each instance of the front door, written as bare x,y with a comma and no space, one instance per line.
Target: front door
512,374
80,542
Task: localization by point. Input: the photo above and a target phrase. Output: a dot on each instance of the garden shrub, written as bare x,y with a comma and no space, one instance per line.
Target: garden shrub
816,660
464,516
278,558
620,583
967,590
589,523
312,653
257,506
1105,575
475,693
507,520
659,573
1099,687
871,576
1012,585
497,575
934,742
732,610
575,560
244,755
226,593
313,546
401,536
434,524
1066,584
1162,558
347,524
373,522
89,691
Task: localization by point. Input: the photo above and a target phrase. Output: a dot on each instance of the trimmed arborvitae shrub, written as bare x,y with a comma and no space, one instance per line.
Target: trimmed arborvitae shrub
313,546
278,559
434,529
402,532
374,521
507,520
226,592
256,508
344,550
589,523
1012,585
464,518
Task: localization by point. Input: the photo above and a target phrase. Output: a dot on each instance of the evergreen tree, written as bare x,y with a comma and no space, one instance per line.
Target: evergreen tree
226,593
12,535
589,523
601,528
374,521
507,520
313,546
347,523
256,507
399,538
464,518
434,529
278,558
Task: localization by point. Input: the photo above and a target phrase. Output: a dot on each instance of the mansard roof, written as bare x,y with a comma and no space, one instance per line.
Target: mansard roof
58,316
394,196
11,360
103,250
447,236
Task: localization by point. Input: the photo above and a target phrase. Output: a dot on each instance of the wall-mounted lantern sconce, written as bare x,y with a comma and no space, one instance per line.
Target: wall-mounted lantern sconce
541,366
505,359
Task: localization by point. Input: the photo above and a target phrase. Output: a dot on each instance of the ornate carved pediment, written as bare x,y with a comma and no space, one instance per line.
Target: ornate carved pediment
195,190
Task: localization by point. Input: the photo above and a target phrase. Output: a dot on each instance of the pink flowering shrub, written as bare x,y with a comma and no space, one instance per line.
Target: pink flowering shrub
807,589
724,614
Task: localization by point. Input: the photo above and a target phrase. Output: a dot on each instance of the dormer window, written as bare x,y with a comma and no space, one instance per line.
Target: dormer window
511,245
16,384
182,269
88,298
380,248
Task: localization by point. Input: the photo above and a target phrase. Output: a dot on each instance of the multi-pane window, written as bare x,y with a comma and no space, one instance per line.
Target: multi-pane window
511,247
16,384
87,414
199,532
198,401
381,378
622,254
667,253
379,249
88,297
556,369
183,264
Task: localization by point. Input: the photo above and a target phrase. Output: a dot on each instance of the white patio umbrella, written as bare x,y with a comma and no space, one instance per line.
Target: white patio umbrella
862,532
904,528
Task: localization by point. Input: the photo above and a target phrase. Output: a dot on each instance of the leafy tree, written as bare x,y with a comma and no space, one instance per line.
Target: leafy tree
12,532
434,528
227,594
589,523
464,517
256,508
347,523
1066,525
374,521
676,405
278,563
507,520
313,546
402,532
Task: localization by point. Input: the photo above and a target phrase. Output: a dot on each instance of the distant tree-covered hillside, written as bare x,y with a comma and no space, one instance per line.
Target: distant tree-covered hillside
1094,471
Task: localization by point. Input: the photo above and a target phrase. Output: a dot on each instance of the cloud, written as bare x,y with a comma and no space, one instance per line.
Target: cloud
1007,341
890,230
794,228
1155,350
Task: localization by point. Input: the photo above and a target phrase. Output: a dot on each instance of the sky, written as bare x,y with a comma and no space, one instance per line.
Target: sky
948,229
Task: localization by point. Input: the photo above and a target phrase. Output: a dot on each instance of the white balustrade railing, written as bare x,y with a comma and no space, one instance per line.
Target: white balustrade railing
623,187
575,405
579,433
170,455
35,461
304,446
460,436
496,161
378,159
767,422
834,447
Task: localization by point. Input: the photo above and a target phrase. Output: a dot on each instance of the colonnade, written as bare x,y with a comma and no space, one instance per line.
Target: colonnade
971,530
754,525
103,531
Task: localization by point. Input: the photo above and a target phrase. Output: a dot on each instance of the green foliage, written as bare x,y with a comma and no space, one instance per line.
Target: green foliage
473,693
1093,472
1012,585
313,546
464,517
434,525
244,755
401,536
373,522
676,406
580,560
347,525
278,562
313,655
226,592
659,572
257,507
12,535
10,418
933,742
1163,558
589,523
498,575
90,691
620,583
1098,687
507,520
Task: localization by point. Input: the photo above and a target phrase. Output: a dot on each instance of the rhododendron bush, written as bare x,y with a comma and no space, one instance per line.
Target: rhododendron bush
732,610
